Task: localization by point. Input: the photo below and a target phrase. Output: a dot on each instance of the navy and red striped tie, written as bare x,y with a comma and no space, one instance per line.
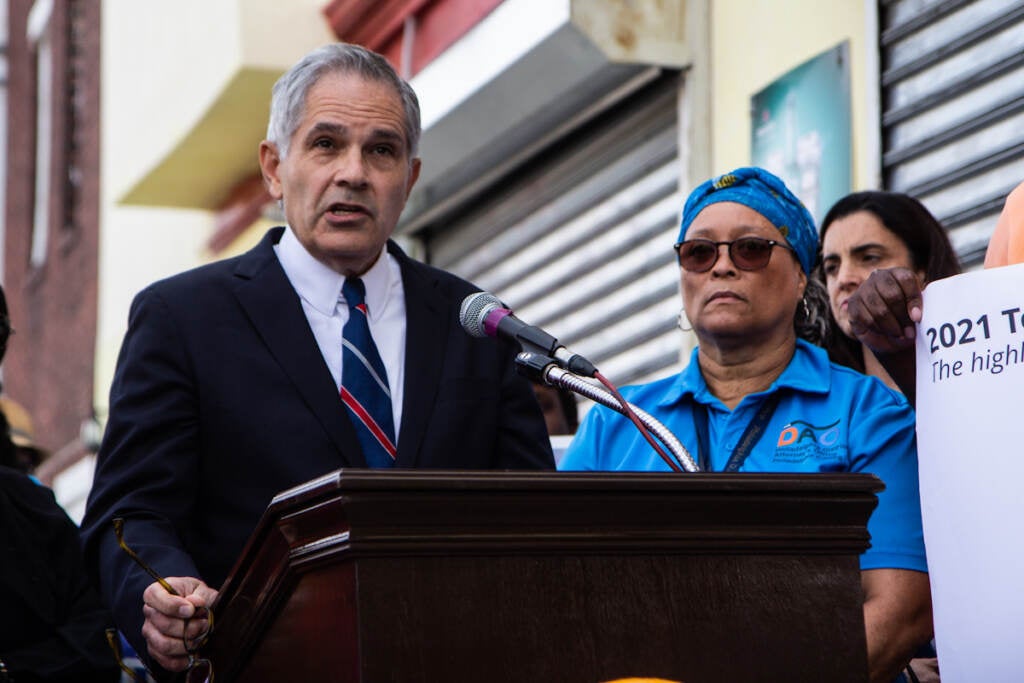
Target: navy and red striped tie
364,382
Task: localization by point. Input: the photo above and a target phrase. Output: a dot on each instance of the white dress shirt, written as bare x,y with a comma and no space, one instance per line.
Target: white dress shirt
319,289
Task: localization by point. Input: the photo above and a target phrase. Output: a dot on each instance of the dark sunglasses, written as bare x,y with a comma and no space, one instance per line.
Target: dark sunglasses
746,253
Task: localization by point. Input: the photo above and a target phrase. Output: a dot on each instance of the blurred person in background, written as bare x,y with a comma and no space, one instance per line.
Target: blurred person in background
884,310
559,408
560,415
861,233
867,231
52,622
28,455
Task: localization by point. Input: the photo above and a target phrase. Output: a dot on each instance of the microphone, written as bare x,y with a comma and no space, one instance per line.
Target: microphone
483,315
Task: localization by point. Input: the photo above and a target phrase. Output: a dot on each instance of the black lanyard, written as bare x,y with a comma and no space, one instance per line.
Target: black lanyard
751,435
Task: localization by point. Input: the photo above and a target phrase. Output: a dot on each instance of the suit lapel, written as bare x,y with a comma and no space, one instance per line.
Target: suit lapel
428,320
272,305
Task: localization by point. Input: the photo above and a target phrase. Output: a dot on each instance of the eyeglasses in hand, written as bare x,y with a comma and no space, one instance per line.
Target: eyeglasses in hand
199,669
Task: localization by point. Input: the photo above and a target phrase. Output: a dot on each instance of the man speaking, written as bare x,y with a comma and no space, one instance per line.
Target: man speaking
323,347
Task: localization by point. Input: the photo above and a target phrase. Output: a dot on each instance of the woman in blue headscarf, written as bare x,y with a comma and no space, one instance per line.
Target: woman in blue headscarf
758,396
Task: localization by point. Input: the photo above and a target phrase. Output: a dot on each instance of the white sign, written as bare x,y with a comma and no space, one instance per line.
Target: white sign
970,427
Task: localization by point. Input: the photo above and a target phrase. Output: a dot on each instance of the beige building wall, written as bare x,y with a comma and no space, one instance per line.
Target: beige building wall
754,42
148,96
165,67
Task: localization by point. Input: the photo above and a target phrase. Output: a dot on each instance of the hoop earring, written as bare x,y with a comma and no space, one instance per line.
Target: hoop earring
682,322
807,309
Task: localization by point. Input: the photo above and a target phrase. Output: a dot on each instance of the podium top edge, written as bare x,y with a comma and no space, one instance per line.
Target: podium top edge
359,480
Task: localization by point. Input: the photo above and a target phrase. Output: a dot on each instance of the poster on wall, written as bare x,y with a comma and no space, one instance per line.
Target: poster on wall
801,129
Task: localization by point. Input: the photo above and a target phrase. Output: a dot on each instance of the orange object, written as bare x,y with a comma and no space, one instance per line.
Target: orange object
1007,244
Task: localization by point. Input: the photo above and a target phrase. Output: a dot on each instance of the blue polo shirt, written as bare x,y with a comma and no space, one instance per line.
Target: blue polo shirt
829,419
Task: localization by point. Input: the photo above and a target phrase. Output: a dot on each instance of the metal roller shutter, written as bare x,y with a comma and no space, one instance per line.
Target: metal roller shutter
953,110
579,240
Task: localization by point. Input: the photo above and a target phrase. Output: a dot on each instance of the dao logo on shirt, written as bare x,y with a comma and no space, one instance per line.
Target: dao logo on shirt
800,440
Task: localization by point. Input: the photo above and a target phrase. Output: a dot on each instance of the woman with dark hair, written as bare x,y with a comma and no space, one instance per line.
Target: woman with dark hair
866,231
861,233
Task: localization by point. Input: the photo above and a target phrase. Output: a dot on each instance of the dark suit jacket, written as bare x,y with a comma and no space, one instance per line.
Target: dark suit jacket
221,399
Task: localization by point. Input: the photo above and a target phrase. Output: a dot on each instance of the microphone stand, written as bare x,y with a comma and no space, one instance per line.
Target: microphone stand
546,369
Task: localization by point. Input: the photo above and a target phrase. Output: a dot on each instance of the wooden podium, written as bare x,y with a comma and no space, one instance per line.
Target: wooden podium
418,576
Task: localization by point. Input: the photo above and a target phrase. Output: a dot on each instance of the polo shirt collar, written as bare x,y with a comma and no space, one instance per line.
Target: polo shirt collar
807,372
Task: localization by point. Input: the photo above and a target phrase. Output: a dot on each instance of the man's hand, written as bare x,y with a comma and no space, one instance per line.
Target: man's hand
171,618
885,308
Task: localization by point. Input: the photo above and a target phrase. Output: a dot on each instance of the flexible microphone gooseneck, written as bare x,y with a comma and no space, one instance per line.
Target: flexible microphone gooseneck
544,369
484,315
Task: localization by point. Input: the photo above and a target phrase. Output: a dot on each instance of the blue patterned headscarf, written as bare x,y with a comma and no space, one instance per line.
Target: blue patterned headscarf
763,192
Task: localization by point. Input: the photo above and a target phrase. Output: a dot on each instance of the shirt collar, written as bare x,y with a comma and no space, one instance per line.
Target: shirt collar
807,372
320,287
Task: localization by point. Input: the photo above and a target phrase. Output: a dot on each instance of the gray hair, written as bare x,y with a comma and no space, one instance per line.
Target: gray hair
288,98
812,313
